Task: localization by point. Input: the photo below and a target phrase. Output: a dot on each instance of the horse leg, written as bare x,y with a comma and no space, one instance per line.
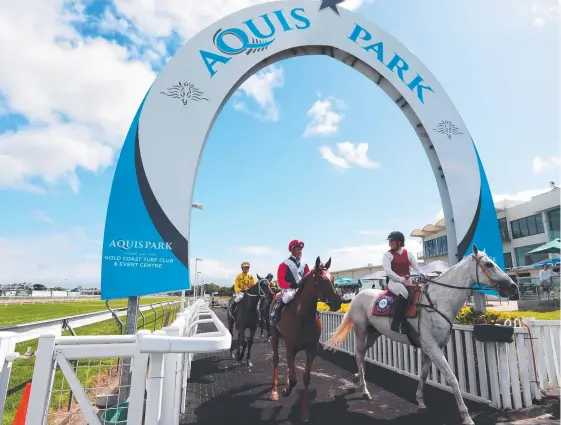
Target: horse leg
364,339
242,343
231,329
252,331
290,359
275,346
437,357
304,395
425,369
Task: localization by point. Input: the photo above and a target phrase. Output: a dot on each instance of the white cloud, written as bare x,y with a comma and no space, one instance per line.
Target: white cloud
510,199
354,4
65,259
257,250
260,87
224,272
349,154
52,153
79,94
56,77
544,12
325,117
362,255
440,215
42,216
544,164
163,17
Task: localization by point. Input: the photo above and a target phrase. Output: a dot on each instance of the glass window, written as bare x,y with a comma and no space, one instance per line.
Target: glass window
532,226
515,229
553,218
508,260
527,226
525,260
523,222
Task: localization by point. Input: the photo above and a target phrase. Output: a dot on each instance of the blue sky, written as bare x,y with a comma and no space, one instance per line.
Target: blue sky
281,161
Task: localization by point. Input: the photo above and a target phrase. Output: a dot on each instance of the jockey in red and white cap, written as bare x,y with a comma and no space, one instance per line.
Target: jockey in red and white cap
289,275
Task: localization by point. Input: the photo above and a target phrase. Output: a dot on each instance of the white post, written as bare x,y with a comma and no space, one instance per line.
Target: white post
154,388
138,385
42,382
169,389
7,346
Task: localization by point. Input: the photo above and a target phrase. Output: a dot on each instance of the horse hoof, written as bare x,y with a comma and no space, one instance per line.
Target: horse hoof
423,410
285,393
275,396
249,364
468,421
233,355
305,419
366,396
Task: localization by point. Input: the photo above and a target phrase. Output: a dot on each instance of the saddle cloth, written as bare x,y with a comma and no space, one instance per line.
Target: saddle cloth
384,303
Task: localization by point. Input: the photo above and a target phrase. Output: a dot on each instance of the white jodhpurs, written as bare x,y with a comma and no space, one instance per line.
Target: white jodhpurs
238,297
288,295
398,288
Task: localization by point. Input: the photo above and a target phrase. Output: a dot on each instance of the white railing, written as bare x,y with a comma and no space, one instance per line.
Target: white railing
160,364
28,331
502,375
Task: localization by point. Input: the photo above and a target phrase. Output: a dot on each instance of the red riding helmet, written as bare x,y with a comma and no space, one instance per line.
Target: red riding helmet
293,244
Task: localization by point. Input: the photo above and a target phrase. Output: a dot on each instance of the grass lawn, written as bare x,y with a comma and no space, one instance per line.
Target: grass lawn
22,370
541,315
15,314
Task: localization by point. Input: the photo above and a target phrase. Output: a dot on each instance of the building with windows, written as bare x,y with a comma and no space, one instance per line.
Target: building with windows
357,272
523,226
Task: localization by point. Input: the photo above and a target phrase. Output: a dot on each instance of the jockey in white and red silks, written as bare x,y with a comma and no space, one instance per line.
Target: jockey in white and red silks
289,275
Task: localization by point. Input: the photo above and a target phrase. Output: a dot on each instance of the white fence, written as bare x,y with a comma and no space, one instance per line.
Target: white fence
160,364
503,375
28,331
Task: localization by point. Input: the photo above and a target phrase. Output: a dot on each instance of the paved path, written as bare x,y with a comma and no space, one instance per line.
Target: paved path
223,391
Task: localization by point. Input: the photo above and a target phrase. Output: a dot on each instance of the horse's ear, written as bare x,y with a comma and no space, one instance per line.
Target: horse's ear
475,250
328,264
318,262
258,277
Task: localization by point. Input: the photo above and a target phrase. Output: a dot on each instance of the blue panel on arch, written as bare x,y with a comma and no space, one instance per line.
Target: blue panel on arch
487,235
135,260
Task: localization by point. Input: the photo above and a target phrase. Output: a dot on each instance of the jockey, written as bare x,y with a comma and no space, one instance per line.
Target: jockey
290,273
397,263
243,282
270,279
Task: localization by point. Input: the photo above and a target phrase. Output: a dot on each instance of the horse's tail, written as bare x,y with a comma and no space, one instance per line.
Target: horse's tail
342,332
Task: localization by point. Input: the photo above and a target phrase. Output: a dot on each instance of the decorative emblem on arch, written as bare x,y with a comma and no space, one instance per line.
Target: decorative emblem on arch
186,92
446,127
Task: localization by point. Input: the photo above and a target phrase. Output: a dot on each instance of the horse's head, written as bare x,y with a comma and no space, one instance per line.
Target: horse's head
324,284
263,285
487,273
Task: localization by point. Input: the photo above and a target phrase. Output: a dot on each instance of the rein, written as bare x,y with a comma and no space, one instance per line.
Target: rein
431,304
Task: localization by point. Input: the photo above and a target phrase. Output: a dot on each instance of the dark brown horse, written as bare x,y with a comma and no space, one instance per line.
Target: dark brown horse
300,328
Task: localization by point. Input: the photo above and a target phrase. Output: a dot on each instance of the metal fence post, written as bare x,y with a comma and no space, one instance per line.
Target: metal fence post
7,346
42,382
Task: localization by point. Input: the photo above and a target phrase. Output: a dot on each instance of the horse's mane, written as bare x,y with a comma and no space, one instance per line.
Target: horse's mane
445,273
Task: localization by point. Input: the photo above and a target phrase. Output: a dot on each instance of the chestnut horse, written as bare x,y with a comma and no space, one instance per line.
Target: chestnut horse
300,327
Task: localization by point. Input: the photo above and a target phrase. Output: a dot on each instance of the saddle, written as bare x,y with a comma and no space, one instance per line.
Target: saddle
384,303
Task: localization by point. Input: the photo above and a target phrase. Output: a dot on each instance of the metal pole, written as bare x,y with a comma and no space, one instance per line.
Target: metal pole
130,329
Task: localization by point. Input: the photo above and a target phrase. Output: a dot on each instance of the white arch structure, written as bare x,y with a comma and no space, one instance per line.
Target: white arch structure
146,242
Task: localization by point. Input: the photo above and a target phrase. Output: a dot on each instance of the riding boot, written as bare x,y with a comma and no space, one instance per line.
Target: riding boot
233,308
399,314
275,312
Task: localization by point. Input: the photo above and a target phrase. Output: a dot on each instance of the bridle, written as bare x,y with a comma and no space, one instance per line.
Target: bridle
431,305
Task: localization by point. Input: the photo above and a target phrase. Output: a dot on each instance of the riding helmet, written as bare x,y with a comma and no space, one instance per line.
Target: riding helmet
396,236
